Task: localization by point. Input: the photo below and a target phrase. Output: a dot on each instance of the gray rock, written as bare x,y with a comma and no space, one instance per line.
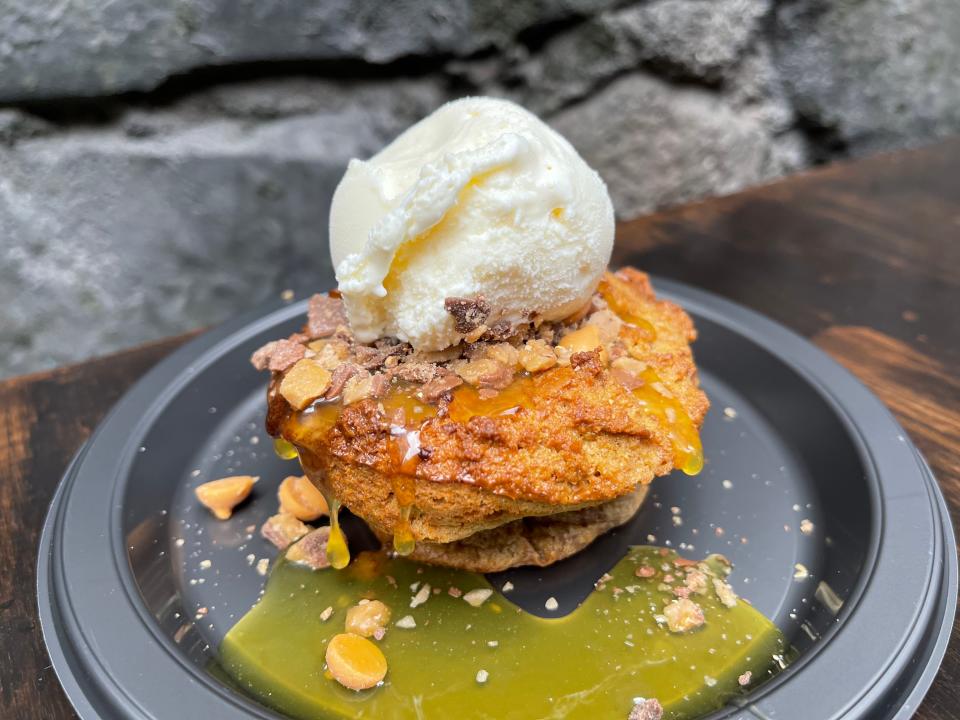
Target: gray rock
573,63
656,145
16,125
50,48
687,38
53,49
881,74
108,240
692,37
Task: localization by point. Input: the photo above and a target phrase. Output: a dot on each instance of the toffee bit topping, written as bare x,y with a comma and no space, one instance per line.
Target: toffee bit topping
311,549
421,597
368,357
683,615
341,374
468,313
725,593
283,529
278,355
646,710
499,331
417,372
436,388
478,597
483,373
324,315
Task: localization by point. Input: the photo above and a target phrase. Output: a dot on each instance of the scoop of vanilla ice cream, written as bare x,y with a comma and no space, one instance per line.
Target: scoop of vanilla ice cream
479,198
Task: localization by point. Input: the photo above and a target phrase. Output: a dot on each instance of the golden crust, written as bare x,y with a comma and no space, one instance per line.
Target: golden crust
579,439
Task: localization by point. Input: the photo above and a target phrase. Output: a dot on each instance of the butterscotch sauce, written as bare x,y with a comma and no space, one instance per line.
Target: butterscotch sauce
338,553
621,300
467,402
284,449
684,436
589,664
407,416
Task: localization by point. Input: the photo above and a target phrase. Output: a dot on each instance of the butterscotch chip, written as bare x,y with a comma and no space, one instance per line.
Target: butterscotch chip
300,497
311,549
367,617
357,388
537,356
585,339
282,529
355,662
683,615
304,383
221,496
330,354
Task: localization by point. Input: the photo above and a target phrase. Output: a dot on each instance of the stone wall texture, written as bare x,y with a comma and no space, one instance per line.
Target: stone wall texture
165,164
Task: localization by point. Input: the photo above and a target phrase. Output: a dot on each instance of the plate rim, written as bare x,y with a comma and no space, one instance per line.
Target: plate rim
67,649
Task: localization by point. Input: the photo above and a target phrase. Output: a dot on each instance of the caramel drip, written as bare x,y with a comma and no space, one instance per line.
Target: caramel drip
284,449
683,434
621,298
403,446
337,551
467,402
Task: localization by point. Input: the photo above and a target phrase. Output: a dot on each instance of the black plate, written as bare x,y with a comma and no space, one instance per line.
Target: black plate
791,437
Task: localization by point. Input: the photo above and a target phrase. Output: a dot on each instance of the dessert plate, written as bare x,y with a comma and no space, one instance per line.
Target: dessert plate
833,521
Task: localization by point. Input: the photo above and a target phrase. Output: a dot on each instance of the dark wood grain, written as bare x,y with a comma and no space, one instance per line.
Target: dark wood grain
44,419
863,258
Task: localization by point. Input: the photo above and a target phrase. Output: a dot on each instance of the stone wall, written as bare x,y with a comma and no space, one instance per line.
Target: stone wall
165,164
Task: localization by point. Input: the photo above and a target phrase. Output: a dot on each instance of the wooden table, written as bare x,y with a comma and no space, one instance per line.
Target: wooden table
862,258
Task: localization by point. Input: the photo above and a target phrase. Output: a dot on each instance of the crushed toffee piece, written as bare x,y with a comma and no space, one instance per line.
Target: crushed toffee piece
277,355
324,315
468,313
311,549
646,709
283,529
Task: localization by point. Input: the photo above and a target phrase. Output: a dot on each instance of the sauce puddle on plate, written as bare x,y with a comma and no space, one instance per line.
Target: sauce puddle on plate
499,661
